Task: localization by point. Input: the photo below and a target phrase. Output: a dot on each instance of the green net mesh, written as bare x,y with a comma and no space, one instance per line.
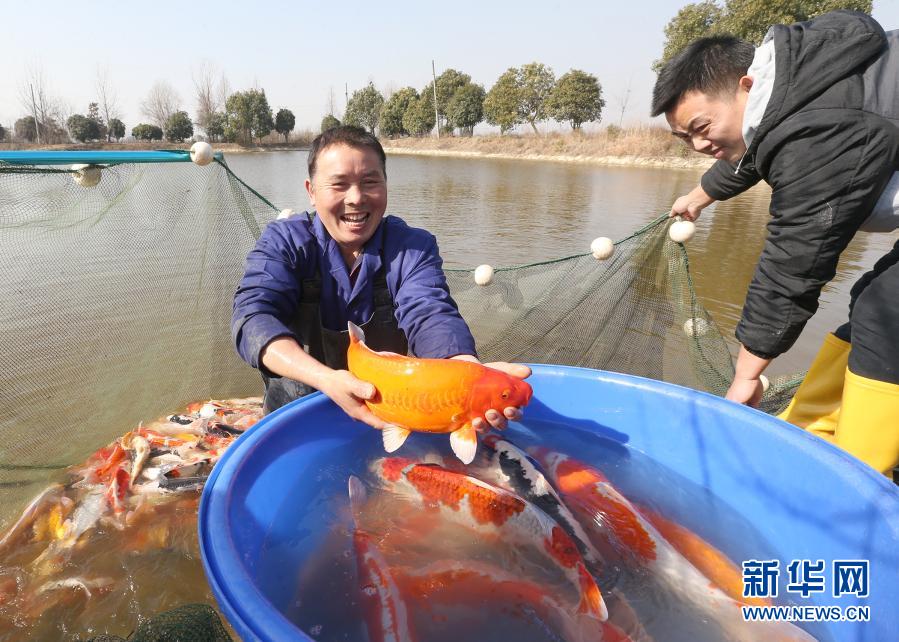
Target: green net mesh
116,307
635,312
118,299
187,623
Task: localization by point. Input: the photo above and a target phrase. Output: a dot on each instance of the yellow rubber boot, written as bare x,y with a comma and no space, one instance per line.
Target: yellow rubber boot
816,404
869,422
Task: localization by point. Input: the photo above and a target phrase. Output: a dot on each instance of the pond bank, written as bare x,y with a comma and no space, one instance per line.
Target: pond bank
638,146
626,160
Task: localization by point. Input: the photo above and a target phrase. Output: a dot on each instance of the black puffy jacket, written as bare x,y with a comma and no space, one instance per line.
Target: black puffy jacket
827,144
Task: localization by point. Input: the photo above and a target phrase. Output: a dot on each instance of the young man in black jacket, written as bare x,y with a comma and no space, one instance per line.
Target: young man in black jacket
813,111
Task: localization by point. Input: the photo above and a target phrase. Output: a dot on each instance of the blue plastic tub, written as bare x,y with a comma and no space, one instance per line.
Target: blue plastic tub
771,489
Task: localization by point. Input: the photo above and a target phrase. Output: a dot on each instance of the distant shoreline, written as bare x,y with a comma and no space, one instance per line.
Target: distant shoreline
672,162
629,148
612,146
225,148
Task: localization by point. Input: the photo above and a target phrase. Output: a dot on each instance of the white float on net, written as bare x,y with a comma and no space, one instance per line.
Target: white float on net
602,248
681,231
86,175
765,383
201,153
697,327
285,213
483,274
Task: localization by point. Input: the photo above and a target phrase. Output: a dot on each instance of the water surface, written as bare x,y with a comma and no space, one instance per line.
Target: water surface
509,212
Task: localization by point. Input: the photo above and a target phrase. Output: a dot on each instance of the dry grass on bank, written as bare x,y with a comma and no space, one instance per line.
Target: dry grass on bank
638,145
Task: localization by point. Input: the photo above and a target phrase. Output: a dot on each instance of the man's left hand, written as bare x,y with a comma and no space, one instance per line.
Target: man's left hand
500,420
495,418
746,391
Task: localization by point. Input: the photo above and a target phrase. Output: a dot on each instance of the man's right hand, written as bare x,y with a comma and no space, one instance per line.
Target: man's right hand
350,394
689,206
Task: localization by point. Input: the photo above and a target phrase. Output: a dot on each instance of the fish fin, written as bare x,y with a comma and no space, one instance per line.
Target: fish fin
357,493
591,597
394,437
464,442
356,333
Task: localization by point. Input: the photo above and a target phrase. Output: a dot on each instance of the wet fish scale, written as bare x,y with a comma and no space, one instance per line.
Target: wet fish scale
619,517
510,467
563,548
431,395
494,511
387,617
444,487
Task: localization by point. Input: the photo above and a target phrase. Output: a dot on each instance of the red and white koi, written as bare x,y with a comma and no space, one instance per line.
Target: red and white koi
117,491
476,583
608,514
386,615
491,511
511,468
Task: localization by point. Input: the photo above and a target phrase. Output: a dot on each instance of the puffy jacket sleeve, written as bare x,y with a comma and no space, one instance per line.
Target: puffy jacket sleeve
826,174
722,182
425,310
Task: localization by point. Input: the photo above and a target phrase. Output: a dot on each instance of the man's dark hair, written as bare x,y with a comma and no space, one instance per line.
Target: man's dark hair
711,65
345,135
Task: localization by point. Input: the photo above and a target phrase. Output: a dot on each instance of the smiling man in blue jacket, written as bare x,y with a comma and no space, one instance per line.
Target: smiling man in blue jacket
346,261
813,111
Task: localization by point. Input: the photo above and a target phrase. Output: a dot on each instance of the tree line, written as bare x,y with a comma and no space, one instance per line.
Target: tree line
528,94
746,19
223,115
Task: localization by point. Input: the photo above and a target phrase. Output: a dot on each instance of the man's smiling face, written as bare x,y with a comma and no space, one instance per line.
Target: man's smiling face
349,193
712,125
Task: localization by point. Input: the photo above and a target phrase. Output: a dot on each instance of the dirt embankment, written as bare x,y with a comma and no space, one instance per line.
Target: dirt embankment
647,146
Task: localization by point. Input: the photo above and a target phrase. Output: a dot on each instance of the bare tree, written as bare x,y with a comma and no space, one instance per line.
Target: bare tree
224,89
106,99
623,100
160,103
208,97
332,105
49,112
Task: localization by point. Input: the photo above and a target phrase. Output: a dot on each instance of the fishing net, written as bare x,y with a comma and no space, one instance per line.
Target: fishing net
117,303
188,623
635,312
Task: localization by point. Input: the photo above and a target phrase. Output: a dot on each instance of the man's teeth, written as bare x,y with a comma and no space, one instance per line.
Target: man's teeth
355,218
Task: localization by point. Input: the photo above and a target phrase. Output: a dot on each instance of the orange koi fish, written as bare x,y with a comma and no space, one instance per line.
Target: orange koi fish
432,395
23,530
488,510
709,560
386,616
608,514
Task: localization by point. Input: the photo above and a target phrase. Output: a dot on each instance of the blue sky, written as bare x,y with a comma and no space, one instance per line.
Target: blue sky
299,51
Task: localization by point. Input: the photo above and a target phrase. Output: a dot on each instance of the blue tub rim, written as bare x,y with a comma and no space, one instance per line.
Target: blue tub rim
242,597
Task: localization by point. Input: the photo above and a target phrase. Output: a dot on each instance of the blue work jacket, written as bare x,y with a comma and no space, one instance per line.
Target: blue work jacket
294,249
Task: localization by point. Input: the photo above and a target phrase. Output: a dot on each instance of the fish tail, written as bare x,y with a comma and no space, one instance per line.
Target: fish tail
591,597
357,335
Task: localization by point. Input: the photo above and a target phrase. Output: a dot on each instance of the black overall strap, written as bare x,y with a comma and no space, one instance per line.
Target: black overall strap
382,333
